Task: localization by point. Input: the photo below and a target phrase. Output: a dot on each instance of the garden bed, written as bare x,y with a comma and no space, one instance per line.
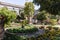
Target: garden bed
23,36
26,29
51,33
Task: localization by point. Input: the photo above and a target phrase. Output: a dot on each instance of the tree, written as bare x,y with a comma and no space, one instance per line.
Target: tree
51,6
41,16
6,16
29,11
21,14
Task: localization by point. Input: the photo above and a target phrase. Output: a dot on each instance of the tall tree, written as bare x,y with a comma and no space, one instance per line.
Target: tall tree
29,11
6,16
51,6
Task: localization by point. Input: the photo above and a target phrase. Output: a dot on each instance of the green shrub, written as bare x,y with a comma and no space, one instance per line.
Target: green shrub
23,30
41,16
48,34
11,37
56,38
53,21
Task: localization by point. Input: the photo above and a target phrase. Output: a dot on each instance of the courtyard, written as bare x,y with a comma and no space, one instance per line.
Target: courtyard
35,20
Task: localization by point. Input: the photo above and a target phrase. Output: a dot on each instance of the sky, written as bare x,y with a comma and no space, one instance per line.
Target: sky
19,2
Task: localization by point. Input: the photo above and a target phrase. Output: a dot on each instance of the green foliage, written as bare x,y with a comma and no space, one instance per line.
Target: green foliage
29,9
22,16
56,38
53,17
41,16
51,6
23,30
24,22
19,17
53,21
13,37
52,34
9,15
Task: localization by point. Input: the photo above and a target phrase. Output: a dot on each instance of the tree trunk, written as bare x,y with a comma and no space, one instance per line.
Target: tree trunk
1,28
1,31
30,20
26,18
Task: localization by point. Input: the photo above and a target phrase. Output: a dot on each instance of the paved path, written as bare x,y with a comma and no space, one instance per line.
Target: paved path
18,26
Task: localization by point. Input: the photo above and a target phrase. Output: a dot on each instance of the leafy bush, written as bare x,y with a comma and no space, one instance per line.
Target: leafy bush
51,34
13,37
23,30
53,17
53,21
8,15
56,38
41,16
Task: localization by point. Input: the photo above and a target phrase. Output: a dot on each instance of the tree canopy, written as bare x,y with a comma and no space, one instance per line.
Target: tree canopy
41,16
8,15
51,6
29,9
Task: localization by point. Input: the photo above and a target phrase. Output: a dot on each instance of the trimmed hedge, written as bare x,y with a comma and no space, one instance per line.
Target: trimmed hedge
22,30
26,29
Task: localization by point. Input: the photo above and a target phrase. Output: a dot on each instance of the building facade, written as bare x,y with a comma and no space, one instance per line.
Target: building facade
11,6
